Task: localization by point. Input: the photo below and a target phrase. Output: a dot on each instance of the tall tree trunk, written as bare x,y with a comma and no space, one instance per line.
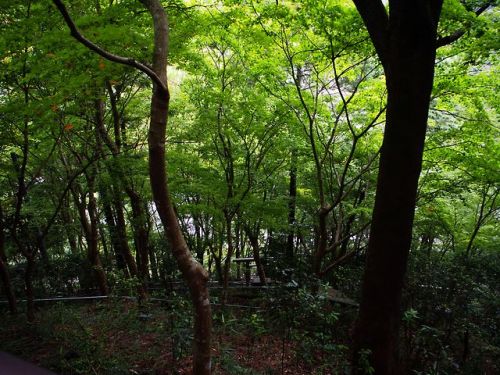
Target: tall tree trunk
104,242
113,233
120,222
322,241
121,227
292,202
229,255
192,271
405,42
138,214
91,237
154,264
238,236
141,234
200,246
346,235
68,220
93,240
4,271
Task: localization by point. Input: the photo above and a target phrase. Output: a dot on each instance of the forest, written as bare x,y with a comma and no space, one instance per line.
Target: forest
250,187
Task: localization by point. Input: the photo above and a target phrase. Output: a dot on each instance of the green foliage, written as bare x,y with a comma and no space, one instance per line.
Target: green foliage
311,320
256,92
122,285
364,362
455,325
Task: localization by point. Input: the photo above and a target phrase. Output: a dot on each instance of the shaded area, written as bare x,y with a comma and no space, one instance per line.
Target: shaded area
14,366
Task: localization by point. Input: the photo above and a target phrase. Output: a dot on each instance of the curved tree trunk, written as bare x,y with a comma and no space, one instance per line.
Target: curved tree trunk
193,272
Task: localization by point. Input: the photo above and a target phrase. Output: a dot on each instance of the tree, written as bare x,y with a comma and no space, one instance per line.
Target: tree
193,272
330,85
405,40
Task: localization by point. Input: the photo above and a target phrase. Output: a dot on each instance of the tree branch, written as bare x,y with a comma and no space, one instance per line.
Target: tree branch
107,55
446,40
376,21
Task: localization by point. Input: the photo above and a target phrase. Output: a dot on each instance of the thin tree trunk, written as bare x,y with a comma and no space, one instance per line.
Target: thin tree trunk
93,240
121,227
292,202
113,233
4,275
322,244
104,242
229,255
141,234
154,264
68,221
254,242
138,214
238,236
90,237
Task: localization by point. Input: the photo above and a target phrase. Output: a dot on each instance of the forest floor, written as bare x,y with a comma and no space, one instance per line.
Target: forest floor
119,337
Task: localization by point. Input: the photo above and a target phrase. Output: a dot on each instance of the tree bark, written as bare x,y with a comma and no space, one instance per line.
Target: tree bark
254,242
229,255
113,233
192,271
68,220
405,43
138,214
140,233
120,222
93,241
91,237
292,202
322,244
154,264
121,227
